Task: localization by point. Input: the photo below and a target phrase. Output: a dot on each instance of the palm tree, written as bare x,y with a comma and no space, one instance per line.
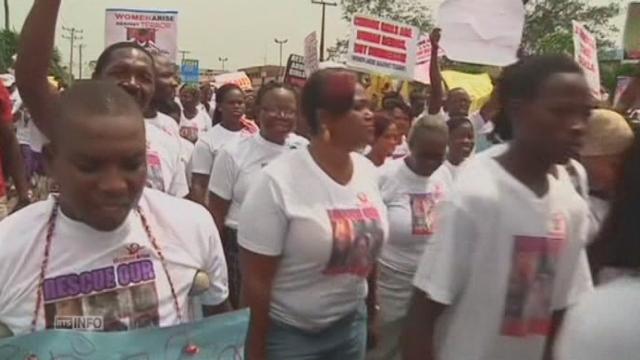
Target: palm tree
6,14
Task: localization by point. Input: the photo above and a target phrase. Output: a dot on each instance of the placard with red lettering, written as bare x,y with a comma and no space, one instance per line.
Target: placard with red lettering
586,54
383,46
423,60
156,31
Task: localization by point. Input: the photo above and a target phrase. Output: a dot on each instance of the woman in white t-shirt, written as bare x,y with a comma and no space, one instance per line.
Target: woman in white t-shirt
509,255
105,247
411,191
229,126
310,230
193,120
238,164
461,144
385,139
605,324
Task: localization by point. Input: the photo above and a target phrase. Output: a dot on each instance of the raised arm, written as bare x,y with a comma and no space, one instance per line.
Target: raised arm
435,98
34,56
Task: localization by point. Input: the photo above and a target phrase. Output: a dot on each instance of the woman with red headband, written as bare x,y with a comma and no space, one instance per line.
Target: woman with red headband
310,231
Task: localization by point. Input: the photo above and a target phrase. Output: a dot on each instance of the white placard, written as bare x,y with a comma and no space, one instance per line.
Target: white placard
311,58
586,54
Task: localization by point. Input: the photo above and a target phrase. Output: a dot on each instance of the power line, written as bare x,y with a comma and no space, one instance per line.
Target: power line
72,34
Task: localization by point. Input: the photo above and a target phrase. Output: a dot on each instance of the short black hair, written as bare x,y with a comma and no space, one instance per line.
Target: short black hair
332,90
381,121
457,121
106,55
618,244
221,94
273,85
523,80
92,97
398,103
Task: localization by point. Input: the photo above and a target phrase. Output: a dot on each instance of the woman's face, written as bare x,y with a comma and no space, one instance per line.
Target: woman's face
278,114
232,105
428,152
386,144
461,142
356,128
189,99
402,120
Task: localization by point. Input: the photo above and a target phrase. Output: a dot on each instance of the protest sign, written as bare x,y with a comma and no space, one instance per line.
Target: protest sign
423,60
383,46
311,59
219,337
239,78
631,39
487,32
479,86
586,54
190,71
621,85
156,31
295,73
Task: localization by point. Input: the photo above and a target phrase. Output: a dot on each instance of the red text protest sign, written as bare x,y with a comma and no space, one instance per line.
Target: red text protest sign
586,54
383,46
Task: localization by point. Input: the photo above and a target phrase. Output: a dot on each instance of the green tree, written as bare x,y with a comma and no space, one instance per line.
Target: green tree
548,27
412,12
9,40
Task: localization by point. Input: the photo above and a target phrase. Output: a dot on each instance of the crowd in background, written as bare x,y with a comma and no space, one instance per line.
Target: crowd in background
413,228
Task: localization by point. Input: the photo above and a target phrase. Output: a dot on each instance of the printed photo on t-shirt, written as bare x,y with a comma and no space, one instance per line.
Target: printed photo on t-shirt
190,133
357,240
422,208
119,297
155,179
528,301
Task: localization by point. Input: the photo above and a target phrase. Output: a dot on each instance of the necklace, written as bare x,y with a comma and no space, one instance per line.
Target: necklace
51,225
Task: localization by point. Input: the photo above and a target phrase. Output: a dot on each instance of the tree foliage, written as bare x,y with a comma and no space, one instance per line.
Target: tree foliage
548,27
9,40
412,12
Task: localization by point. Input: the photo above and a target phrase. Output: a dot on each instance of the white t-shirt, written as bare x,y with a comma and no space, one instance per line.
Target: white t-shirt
208,145
411,200
117,275
237,165
165,167
503,259
166,123
447,173
327,235
579,179
191,129
604,325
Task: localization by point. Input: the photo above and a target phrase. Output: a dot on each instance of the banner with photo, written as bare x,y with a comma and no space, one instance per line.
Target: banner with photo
156,31
220,337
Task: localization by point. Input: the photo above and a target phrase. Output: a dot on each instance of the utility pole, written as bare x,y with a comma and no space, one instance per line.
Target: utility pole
80,63
73,34
184,54
223,60
281,43
324,8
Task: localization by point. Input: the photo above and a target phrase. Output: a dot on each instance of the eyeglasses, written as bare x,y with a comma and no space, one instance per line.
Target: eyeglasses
286,114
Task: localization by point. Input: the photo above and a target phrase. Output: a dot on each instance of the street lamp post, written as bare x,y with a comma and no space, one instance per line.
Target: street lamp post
281,43
324,8
223,61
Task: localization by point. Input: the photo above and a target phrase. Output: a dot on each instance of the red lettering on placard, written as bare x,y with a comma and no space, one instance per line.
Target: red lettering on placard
387,55
394,43
389,28
367,23
406,32
368,37
360,49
